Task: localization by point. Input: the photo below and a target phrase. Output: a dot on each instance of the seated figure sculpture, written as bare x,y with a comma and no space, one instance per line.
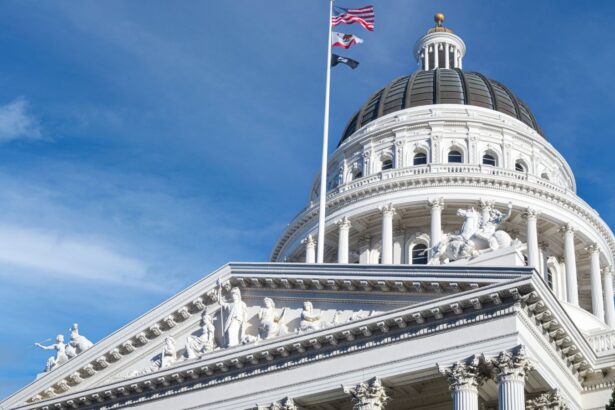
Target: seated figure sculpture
270,320
309,319
197,345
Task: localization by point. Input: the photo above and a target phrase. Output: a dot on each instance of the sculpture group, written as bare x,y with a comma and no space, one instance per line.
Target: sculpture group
78,344
477,235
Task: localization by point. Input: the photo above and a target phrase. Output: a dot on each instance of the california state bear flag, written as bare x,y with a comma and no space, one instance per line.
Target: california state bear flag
344,40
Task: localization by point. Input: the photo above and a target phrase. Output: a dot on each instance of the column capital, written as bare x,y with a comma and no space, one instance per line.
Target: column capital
463,375
547,400
343,223
436,202
530,213
509,365
607,271
369,395
592,248
309,241
567,228
387,210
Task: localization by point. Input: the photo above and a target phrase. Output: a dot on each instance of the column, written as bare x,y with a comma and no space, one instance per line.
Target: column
387,233
310,249
447,62
511,371
426,58
533,256
463,380
369,395
342,245
436,56
596,282
572,294
435,233
608,296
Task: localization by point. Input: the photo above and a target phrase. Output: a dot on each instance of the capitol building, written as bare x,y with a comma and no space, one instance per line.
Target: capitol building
461,270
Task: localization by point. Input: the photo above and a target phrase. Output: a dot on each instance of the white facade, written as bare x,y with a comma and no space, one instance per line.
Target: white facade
462,270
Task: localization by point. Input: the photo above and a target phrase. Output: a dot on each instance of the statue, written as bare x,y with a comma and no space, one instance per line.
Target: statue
169,353
235,319
477,235
309,319
197,345
78,343
270,320
61,356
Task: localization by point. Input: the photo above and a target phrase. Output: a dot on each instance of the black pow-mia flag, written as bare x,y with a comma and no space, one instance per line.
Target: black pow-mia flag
335,60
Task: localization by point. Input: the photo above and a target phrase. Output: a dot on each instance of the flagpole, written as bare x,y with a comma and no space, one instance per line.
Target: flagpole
325,149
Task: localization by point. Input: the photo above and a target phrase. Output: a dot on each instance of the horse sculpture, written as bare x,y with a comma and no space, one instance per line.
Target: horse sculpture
477,235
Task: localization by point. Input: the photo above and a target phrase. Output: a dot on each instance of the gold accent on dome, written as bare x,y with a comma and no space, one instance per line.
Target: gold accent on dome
439,28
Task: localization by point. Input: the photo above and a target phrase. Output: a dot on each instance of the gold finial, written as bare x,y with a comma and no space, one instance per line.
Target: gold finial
439,19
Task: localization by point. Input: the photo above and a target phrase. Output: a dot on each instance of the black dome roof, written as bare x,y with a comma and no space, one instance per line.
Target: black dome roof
440,86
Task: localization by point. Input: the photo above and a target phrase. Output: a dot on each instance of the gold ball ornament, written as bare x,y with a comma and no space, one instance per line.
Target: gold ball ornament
439,18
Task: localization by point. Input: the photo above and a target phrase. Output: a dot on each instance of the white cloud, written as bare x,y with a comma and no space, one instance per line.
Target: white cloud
16,122
41,251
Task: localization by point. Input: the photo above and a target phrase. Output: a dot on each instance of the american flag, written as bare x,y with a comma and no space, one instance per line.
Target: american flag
364,16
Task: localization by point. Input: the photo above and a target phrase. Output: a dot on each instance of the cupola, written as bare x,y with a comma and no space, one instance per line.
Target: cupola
440,47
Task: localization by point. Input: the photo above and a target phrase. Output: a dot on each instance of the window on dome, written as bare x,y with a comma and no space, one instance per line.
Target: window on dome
489,159
520,166
420,158
455,157
419,254
357,173
387,164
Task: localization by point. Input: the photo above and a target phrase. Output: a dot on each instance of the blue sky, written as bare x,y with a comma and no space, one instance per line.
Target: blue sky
145,143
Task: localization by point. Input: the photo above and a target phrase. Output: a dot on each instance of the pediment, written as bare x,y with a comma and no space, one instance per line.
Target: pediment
342,296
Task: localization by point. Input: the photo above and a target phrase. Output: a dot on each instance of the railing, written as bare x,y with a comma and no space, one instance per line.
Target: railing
443,169
603,341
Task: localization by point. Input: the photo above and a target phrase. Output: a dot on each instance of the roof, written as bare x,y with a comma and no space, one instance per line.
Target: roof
441,86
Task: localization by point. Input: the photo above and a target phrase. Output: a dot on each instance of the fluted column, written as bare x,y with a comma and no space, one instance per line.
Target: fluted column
387,233
426,58
607,273
343,226
368,396
511,372
596,282
310,249
533,255
464,379
435,232
572,293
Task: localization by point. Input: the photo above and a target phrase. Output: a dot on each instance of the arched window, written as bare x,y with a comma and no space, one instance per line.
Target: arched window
387,163
356,173
520,166
455,157
489,159
419,254
420,158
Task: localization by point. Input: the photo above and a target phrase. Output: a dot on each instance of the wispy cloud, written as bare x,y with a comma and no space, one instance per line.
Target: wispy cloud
16,122
69,256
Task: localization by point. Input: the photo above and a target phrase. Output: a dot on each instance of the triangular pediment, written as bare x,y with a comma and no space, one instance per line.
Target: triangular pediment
346,300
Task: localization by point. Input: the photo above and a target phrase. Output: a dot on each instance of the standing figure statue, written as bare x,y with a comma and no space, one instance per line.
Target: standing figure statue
169,353
270,320
78,343
309,319
197,345
61,357
235,318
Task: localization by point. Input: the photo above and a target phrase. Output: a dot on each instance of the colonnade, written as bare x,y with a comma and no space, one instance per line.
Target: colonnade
600,277
432,49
